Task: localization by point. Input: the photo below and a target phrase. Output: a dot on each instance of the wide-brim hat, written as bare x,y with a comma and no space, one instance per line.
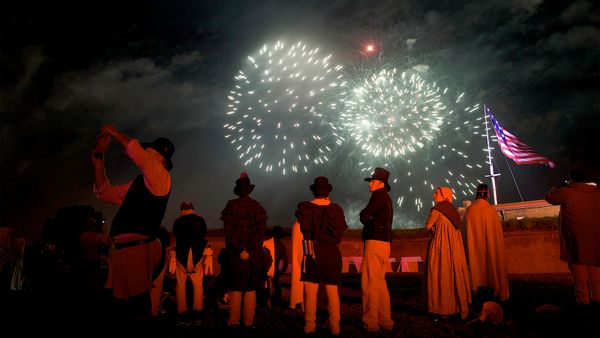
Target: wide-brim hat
164,147
321,186
382,175
243,186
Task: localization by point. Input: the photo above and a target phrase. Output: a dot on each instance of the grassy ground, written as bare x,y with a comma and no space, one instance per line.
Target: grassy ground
66,310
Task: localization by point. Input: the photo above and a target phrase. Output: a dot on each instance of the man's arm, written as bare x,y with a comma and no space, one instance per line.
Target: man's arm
102,186
98,152
156,176
556,195
370,210
110,130
433,216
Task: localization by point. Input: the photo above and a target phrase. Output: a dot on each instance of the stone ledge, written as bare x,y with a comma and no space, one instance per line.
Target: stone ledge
528,251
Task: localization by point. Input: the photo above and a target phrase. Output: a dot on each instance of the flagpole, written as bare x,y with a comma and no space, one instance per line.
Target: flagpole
492,175
513,177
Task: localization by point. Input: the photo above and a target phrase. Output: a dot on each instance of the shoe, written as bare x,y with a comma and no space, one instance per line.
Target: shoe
233,330
388,327
249,330
196,317
371,328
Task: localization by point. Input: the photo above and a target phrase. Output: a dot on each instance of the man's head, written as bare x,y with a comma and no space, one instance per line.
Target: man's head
165,148
482,191
379,179
186,206
243,187
321,187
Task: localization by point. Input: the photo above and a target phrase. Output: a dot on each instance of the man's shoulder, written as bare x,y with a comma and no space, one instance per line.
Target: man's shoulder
305,205
479,203
190,218
234,203
381,195
336,208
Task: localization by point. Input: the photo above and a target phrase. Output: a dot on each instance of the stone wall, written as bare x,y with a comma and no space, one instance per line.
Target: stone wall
528,209
527,251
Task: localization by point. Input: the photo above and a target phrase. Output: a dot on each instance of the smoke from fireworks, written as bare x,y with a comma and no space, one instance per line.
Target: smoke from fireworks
279,111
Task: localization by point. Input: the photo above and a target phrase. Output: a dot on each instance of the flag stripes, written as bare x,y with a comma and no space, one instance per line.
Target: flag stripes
515,149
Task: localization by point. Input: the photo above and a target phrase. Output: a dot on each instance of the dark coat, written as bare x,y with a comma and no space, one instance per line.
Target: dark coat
141,212
377,217
244,222
324,224
190,232
579,222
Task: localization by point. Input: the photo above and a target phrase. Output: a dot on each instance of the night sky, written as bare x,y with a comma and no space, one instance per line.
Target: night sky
164,68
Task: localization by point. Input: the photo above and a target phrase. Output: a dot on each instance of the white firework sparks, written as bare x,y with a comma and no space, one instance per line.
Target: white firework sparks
399,121
393,113
279,115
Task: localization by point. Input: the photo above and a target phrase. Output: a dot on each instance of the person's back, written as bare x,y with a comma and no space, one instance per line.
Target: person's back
579,203
190,231
580,234
244,222
579,221
242,229
485,249
322,224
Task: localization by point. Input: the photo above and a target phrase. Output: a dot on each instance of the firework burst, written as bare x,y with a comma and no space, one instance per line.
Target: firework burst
415,129
391,114
279,116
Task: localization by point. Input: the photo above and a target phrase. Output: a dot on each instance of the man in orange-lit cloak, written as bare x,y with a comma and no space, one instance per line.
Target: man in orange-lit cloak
486,254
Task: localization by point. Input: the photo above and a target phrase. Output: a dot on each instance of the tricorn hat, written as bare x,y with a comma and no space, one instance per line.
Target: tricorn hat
243,186
382,175
164,147
321,186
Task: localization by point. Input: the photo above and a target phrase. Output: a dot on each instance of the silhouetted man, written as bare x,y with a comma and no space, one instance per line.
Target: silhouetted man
377,234
486,254
580,233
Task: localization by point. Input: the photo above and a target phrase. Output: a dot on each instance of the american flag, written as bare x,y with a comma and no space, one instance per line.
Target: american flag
515,149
